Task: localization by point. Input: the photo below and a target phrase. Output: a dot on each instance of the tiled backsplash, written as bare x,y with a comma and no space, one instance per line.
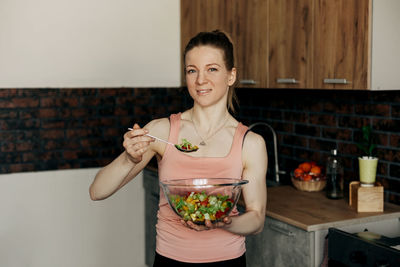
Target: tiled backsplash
45,129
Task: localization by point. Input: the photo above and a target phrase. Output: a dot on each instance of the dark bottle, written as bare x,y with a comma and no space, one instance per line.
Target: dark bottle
334,176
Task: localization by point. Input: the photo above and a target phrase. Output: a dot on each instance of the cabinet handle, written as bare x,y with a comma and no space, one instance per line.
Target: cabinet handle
252,82
281,230
336,81
287,80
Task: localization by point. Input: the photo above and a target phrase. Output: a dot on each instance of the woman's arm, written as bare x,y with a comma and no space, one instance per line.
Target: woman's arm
138,152
255,160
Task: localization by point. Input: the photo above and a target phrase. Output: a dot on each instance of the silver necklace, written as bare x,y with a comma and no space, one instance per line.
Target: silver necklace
203,143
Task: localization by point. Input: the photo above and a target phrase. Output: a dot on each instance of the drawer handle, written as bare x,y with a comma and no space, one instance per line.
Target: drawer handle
281,230
287,80
336,81
252,82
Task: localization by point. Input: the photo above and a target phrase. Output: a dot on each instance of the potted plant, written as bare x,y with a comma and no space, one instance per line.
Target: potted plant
367,162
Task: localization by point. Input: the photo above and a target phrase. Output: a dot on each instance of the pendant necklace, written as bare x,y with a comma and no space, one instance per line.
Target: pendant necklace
203,143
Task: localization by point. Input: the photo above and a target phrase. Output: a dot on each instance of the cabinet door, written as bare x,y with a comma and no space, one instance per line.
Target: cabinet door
290,43
204,15
280,244
250,18
244,20
342,44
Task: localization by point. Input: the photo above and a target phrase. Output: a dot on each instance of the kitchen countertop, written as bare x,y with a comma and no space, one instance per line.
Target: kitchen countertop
312,211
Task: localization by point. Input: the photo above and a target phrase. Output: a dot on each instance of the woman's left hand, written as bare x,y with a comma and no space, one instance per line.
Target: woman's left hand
208,224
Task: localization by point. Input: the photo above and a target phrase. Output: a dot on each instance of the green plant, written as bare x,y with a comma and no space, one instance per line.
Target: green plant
366,144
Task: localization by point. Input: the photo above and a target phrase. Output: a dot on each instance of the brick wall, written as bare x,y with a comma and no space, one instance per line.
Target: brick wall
45,129
310,123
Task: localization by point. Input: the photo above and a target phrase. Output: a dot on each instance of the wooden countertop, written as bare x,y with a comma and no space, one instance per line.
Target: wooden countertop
313,211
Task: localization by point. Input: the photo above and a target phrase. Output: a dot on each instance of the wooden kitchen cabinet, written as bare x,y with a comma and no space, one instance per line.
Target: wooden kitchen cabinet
310,44
320,44
250,39
244,21
342,44
290,29
204,15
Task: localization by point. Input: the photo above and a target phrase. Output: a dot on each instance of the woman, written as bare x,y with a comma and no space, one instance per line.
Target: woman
227,149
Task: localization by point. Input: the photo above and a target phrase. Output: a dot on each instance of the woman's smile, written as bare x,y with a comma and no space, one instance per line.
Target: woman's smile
202,92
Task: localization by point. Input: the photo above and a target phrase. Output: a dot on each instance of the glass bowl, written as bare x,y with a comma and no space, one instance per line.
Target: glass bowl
199,199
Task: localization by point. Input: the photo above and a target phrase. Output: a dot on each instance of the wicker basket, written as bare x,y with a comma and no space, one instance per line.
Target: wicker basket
309,186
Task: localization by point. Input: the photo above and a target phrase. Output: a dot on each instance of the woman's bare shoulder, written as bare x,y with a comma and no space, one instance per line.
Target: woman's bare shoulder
158,127
156,123
254,156
254,139
254,144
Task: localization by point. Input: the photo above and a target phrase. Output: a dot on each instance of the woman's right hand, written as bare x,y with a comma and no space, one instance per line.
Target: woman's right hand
136,143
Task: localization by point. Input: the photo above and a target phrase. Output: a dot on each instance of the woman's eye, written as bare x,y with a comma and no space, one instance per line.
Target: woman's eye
190,71
212,69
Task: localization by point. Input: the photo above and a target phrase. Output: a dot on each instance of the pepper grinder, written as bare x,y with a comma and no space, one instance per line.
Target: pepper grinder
334,176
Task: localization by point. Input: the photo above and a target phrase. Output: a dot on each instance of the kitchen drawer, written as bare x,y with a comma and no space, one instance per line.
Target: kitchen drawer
280,244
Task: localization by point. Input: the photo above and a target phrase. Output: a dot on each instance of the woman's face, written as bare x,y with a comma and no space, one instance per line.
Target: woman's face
207,78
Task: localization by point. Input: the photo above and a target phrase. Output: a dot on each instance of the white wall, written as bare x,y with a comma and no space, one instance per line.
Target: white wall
385,45
90,43
47,219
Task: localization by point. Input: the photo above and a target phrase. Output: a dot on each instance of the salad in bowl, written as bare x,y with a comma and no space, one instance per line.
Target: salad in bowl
202,199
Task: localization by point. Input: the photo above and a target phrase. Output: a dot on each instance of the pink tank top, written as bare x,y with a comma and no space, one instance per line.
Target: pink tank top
178,242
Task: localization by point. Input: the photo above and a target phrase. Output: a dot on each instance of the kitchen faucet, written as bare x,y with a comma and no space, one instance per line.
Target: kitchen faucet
275,142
